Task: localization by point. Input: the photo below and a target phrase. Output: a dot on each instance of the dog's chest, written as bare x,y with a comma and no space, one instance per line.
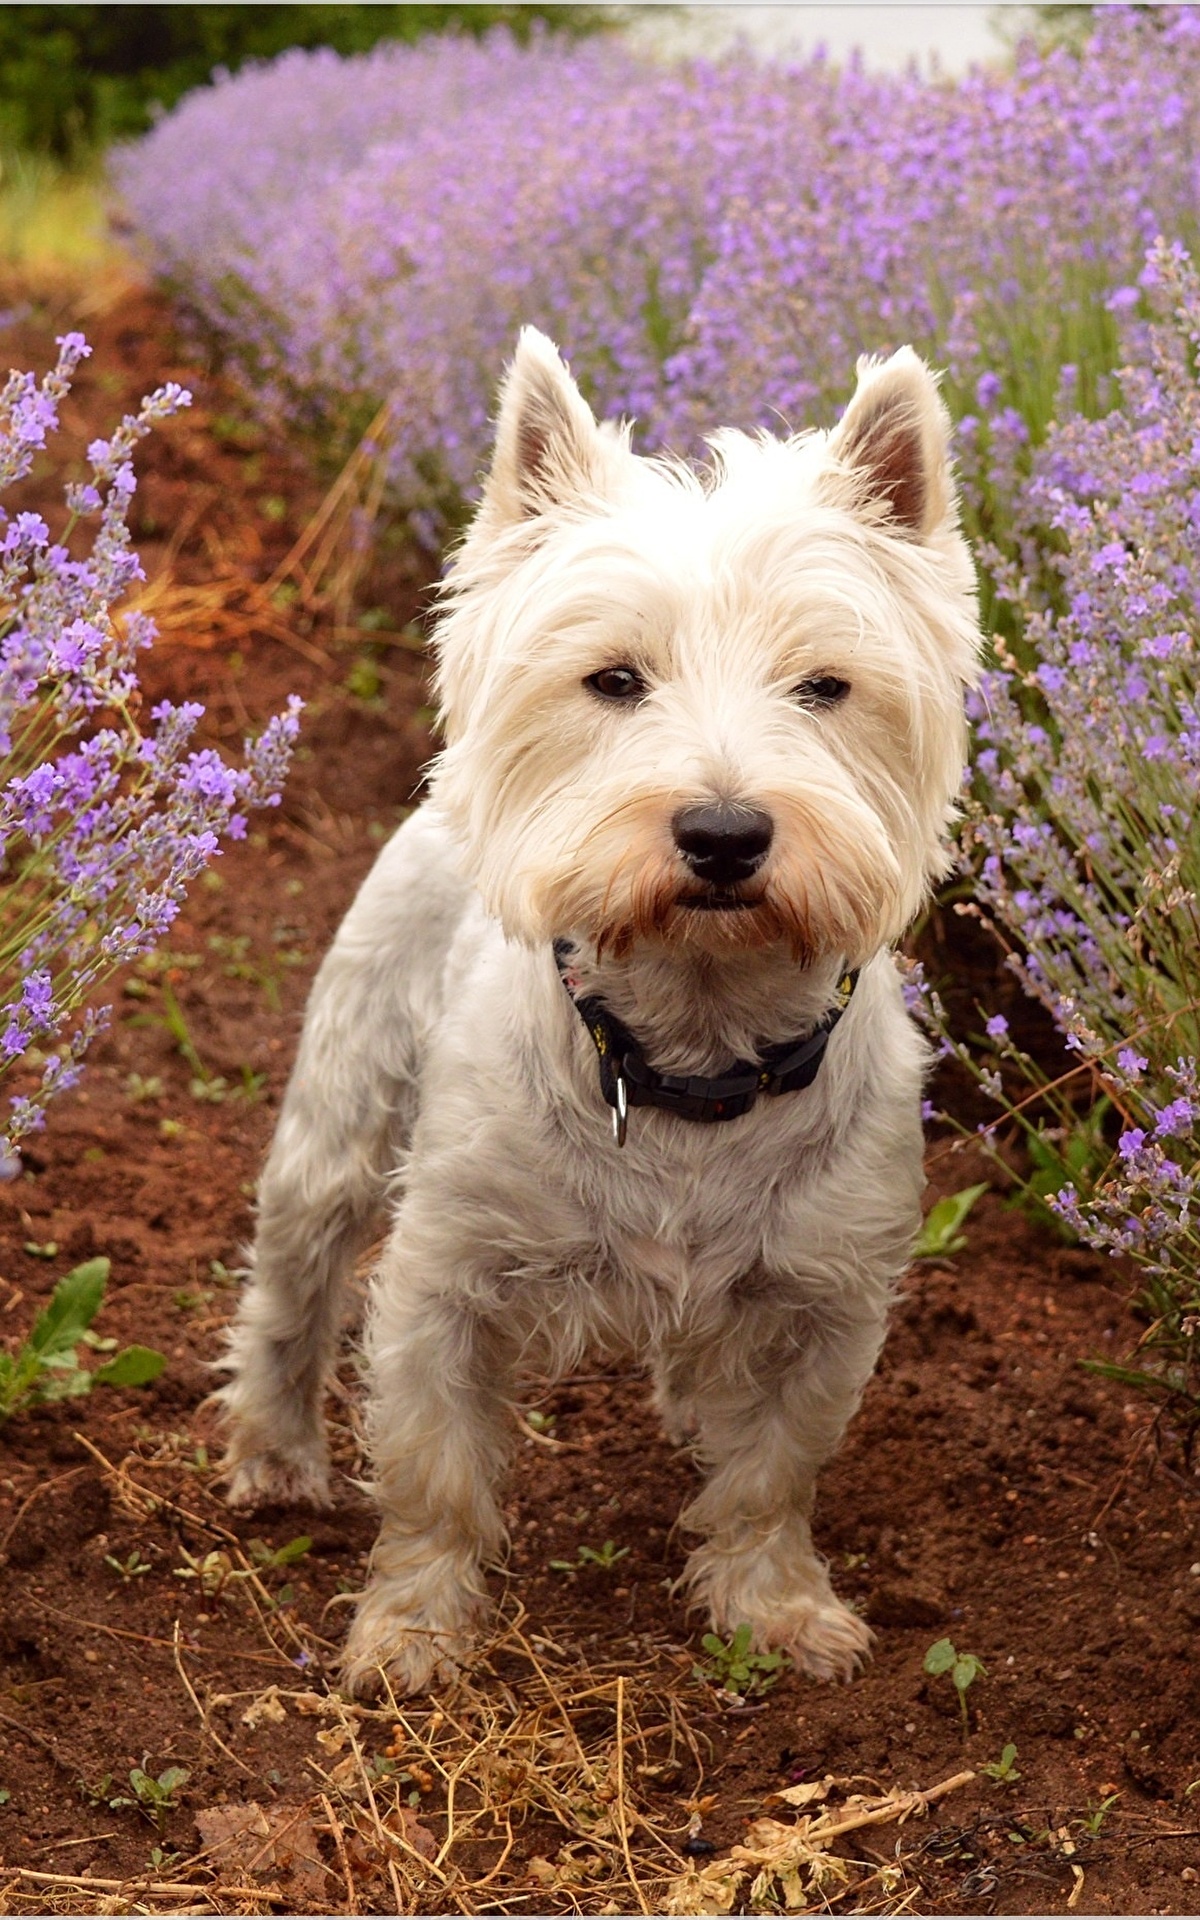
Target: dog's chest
700,1206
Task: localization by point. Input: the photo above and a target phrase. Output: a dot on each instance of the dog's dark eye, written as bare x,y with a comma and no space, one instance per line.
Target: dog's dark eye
821,690
617,683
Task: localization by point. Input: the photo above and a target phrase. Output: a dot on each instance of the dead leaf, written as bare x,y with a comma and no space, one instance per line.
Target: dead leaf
710,1889
235,1834
403,1820
266,1706
245,1838
803,1795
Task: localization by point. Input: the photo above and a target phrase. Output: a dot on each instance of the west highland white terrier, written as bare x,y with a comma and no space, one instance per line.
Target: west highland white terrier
613,1026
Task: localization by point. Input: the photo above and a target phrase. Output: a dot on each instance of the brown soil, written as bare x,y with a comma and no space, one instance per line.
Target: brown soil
990,1490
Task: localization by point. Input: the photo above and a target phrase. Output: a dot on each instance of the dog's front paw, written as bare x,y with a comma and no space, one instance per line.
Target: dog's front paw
824,1638
391,1646
788,1604
274,1476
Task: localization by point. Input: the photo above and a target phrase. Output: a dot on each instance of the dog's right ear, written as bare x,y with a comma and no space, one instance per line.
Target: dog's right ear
549,448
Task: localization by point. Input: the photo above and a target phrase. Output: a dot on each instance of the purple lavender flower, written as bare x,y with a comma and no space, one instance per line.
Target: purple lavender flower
98,840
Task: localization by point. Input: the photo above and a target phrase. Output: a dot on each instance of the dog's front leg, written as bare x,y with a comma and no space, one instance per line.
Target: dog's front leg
766,1425
438,1430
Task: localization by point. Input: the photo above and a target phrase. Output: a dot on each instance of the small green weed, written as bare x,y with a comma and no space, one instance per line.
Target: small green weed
941,1234
364,680
46,1366
131,1568
540,1422
265,1556
964,1669
605,1557
143,1086
153,1794
213,1571
732,1666
1004,1770
1098,1814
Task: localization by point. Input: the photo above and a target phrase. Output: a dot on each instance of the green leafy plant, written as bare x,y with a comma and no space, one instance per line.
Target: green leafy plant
605,1557
46,1366
153,1794
131,1568
941,1234
731,1664
963,1668
1098,1814
1004,1770
287,1556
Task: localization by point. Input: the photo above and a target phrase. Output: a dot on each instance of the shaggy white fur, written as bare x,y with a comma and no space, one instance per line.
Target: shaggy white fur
783,637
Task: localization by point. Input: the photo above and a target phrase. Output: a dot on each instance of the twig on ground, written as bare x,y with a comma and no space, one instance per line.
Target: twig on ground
214,1736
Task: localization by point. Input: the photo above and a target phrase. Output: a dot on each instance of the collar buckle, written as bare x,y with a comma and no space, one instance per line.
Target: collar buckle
620,1106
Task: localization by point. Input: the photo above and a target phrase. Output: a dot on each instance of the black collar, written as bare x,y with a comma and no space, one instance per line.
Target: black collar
628,1080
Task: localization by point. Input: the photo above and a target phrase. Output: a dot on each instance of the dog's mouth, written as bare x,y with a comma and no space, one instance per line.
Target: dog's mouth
719,900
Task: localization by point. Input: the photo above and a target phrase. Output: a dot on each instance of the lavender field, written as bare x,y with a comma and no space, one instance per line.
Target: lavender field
710,244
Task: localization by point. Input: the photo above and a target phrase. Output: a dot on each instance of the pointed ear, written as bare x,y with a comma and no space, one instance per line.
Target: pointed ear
893,442
548,445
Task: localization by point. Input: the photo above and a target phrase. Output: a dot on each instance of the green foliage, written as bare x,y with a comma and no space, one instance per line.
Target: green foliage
605,1557
731,1665
940,1235
964,1669
1074,1154
1004,1770
73,78
46,1366
131,1568
1098,1814
265,1556
153,1794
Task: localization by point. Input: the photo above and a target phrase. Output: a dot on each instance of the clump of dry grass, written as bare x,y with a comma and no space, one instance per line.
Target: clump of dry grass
314,586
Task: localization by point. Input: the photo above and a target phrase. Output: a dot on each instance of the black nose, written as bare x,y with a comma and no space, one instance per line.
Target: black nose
722,841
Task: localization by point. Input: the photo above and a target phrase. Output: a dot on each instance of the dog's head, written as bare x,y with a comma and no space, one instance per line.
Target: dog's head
723,709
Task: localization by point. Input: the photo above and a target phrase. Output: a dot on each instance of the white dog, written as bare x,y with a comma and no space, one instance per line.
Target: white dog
614,1024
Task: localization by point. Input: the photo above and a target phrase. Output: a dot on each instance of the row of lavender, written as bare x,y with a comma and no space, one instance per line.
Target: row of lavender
716,244
710,244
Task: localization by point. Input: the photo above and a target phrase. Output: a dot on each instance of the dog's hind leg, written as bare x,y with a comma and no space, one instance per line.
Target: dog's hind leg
346,1119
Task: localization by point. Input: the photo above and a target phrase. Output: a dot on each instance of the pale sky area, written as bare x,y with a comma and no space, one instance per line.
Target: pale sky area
951,36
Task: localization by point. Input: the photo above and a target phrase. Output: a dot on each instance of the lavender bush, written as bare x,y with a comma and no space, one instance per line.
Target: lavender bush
1084,837
710,243
103,821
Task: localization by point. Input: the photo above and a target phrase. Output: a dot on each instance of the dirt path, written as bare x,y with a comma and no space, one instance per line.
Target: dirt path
990,1490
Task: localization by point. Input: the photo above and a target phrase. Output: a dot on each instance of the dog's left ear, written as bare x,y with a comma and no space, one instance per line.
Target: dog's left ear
893,445
549,448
